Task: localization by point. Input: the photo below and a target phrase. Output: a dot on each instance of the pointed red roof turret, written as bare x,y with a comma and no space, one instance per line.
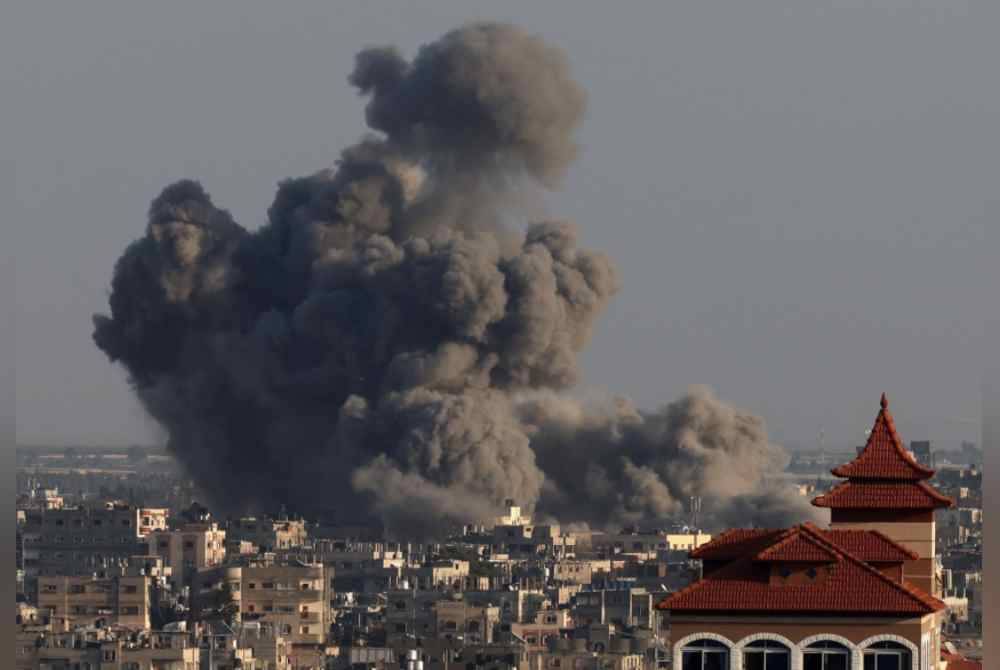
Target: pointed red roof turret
884,475
884,456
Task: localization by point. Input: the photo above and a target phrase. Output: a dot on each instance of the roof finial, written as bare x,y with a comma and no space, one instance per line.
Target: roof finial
884,402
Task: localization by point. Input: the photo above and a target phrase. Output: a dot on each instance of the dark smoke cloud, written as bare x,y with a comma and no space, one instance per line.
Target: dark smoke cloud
393,342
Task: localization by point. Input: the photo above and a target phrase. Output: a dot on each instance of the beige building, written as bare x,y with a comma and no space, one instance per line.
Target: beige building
152,519
579,571
545,628
444,573
85,601
456,619
647,544
192,547
292,599
268,535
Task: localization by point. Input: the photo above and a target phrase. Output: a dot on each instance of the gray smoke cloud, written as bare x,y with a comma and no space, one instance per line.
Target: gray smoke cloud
392,344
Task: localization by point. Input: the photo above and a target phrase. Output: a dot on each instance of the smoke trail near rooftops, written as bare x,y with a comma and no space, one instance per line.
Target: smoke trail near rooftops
394,342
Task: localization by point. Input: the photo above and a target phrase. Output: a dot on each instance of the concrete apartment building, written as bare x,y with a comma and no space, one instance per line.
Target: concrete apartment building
620,603
858,595
437,574
152,519
457,619
79,540
547,625
190,548
290,598
268,535
86,601
647,544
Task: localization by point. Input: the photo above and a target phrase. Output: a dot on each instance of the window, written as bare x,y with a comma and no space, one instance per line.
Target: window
705,655
887,656
826,655
766,655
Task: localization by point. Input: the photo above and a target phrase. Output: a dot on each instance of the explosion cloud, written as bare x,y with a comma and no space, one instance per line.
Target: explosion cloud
395,343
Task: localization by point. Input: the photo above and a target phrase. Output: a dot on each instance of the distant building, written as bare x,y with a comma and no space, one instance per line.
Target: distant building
921,450
267,534
79,540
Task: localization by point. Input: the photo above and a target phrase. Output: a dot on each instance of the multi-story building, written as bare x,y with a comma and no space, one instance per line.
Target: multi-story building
152,519
79,540
647,543
621,603
192,547
436,574
291,598
86,601
457,619
857,595
268,535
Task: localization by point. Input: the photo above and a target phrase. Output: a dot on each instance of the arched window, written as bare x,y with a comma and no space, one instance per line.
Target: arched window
705,655
826,655
887,655
766,655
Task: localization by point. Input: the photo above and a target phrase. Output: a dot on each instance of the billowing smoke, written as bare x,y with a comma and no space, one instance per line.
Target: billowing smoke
394,342
614,465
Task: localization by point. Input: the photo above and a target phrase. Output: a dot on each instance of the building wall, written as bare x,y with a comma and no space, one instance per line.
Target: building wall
191,548
917,536
79,541
798,632
289,597
78,600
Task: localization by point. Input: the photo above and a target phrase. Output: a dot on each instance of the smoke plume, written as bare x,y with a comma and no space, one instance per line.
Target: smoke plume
394,343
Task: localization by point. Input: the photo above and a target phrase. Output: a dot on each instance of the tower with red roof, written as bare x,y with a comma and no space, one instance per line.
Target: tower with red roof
886,490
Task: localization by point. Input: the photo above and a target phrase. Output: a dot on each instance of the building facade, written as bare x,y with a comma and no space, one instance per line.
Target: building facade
859,595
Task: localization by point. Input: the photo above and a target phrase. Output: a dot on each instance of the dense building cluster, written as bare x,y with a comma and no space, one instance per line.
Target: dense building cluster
894,581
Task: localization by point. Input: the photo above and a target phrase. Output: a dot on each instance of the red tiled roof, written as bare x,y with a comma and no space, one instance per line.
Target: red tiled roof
851,587
884,456
854,494
797,547
736,543
868,545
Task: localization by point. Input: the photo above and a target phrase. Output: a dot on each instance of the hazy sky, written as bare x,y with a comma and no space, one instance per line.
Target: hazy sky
802,200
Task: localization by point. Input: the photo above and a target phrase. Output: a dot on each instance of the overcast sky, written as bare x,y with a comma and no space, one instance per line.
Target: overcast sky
803,200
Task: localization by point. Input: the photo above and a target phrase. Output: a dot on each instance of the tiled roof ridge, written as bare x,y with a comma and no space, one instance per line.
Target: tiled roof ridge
722,539
886,423
796,532
917,594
